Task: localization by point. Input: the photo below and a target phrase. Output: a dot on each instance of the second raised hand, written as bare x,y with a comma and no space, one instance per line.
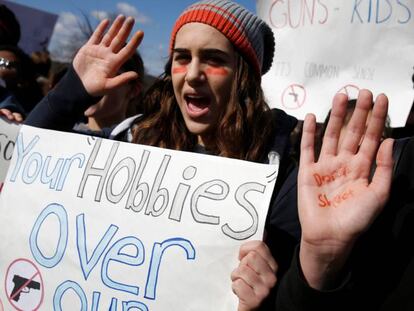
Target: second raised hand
98,61
337,200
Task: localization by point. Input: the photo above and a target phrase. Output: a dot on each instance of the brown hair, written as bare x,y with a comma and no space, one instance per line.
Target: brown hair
243,133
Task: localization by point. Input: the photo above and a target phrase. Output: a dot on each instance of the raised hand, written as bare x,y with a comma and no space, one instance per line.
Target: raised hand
255,276
337,200
97,63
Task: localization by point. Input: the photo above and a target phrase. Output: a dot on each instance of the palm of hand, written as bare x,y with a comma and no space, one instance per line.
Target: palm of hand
336,196
336,200
98,62
95,64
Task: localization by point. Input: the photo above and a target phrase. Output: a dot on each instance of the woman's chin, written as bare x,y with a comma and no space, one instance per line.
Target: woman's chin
198,128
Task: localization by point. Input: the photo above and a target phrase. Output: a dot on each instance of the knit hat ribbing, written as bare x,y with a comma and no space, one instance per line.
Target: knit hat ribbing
251,36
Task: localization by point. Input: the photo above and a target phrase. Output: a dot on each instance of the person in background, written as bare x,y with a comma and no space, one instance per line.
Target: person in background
379,270
16,70
408,129
42,64
341,195
9,35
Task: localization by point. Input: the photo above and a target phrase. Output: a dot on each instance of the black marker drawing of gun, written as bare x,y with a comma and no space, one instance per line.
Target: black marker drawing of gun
22,285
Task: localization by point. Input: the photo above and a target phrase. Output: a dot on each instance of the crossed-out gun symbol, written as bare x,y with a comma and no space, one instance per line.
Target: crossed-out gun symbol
22,285
295,95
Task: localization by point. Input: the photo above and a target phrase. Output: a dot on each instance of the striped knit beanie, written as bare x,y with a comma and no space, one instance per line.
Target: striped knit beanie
251,36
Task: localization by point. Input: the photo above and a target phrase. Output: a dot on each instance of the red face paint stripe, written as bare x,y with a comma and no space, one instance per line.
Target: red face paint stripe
181,69
217,71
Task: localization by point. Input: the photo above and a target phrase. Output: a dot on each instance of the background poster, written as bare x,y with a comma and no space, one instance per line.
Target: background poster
36,26
329,46
8,134
93,224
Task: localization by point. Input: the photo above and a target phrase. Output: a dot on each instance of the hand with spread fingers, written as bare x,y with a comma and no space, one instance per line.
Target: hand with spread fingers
337,198
98,61
255,276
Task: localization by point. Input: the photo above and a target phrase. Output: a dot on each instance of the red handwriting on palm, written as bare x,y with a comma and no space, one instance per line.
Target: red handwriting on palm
337,199
98,61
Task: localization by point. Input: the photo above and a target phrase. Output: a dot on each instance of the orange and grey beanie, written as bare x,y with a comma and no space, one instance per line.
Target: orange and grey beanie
251,36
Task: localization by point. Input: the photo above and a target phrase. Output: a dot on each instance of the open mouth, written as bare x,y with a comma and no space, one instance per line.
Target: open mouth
197,105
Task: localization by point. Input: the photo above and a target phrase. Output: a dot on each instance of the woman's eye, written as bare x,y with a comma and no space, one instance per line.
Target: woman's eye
215,61
182,58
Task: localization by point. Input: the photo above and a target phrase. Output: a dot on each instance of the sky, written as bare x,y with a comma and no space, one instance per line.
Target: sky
154,17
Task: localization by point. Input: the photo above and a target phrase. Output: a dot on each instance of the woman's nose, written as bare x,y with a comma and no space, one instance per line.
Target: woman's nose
195,72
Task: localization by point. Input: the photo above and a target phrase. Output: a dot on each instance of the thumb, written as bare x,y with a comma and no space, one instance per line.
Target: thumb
121,79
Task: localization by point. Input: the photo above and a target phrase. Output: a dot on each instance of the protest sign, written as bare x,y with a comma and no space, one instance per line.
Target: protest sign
36,26
8,134
94,224
329,46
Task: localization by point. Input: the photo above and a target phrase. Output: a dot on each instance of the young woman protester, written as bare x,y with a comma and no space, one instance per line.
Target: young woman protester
209,100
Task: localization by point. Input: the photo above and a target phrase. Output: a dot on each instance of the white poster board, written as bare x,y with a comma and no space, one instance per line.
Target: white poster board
8,134
93,224
329,46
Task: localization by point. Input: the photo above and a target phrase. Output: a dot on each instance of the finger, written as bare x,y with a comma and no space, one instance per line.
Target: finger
129,49
17,117
242,290
355,129
7,113
247,274
260,248
333,129
375,128
307,144
249,294
113,30
260,267
381,181
119,40
99,32
121,79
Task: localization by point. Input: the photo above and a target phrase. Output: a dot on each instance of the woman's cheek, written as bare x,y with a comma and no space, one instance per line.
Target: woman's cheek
217,71
179,69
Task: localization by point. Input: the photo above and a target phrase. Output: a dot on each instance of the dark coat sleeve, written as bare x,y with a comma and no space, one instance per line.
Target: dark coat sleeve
63,106
294,294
